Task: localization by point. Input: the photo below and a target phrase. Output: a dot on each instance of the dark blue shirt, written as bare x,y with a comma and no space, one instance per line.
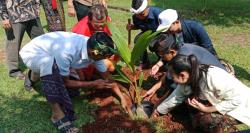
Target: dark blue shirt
194,32
203,56
151,22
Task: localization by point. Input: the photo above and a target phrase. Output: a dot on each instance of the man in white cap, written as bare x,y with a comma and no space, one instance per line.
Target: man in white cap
144,18
191,31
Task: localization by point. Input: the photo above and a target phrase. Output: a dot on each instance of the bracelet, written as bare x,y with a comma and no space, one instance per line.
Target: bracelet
157,65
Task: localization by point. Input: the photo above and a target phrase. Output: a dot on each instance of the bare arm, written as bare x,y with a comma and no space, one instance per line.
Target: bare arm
71,9
77,84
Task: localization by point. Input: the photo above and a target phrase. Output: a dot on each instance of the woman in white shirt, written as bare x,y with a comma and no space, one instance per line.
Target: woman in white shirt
226,97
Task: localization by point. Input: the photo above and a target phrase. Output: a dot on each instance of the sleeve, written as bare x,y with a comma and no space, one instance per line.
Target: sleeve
100,66
177,97
203,38
226,88
3,10
135,22
64,65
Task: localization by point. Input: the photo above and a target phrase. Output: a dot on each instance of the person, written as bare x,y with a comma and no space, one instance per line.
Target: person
144,18
217,97
18,17
53,54
54,14
80,8
189,31
166,46
95,22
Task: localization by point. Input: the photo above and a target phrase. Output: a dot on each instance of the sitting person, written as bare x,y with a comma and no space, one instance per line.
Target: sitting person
215,95
145,18
53,54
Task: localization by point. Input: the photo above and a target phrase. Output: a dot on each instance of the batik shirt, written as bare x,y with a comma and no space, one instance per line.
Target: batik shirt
19,10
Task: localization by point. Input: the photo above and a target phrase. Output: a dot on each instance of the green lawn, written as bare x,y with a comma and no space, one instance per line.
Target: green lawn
227,22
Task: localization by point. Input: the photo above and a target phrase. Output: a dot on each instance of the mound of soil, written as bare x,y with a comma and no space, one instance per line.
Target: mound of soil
110,117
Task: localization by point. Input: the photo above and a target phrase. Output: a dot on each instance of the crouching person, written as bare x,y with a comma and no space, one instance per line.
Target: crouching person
215,97
52,55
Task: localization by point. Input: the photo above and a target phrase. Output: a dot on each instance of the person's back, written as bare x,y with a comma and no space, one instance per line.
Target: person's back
64,47
203,56
194,32
189,31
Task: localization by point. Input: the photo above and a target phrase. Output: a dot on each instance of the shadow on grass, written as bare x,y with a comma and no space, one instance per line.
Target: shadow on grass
224,13
241,72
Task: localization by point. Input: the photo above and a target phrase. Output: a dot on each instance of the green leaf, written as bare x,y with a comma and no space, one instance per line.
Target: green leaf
123,75
140,46
141,78
119,78
121,45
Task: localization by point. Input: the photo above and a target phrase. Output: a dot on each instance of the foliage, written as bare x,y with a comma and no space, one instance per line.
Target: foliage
227,22
130,57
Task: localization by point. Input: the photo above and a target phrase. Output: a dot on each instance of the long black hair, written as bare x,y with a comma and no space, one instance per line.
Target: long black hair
190,64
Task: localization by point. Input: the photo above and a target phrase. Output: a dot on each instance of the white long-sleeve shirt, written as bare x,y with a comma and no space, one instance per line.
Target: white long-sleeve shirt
229,95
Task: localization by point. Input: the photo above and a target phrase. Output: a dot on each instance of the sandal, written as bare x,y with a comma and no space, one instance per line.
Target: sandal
65,126
28,84
18,75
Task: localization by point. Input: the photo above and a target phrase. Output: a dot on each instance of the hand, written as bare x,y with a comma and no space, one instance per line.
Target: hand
126,107
100,83
154,70
104,3
129,26
196,104
71,11
6,24
155,114
149,94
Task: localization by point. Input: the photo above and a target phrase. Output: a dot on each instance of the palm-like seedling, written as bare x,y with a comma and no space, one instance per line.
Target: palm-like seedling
130,57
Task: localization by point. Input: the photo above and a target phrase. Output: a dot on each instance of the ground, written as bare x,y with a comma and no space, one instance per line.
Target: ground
110,117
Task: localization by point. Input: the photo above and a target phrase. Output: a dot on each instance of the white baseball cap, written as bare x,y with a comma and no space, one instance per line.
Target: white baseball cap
166,18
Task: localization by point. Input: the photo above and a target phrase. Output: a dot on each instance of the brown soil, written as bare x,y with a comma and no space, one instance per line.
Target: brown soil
110,117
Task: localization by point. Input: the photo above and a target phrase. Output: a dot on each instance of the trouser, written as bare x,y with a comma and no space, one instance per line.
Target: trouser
14,39
55,17
81,10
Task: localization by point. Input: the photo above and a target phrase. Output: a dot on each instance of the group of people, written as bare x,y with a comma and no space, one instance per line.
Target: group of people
66,61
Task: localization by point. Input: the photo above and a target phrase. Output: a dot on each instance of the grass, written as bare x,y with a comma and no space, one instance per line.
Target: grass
227,22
